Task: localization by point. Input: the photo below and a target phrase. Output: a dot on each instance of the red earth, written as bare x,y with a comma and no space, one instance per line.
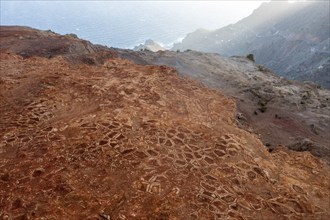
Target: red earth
116,140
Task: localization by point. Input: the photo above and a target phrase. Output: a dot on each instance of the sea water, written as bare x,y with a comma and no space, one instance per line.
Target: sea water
124,24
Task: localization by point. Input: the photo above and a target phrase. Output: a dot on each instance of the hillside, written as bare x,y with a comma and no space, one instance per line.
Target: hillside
290,39
283,112
118,140
29,42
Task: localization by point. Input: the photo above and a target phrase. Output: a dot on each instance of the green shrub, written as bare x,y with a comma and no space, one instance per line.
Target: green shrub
263,69
306,97
250,57
262,106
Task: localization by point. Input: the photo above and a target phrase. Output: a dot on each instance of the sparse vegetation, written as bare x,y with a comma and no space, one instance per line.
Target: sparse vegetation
263,69
262,106
306,97
50,31
263,109
250,57
72,35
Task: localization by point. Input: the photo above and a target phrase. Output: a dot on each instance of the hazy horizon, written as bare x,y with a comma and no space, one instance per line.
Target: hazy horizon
125,24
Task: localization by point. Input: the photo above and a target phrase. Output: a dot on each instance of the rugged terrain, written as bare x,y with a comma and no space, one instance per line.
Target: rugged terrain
283,112
28,42
120,140
149,45
291,39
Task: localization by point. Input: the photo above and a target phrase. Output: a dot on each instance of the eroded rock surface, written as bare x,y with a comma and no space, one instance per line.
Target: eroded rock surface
282,111
124,141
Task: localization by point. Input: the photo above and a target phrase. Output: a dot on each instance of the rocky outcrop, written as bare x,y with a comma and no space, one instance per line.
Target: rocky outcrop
291,39
125,141
149,45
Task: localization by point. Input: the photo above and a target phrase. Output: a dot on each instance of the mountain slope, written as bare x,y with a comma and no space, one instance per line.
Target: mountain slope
29,42
291,39
123,141
284,112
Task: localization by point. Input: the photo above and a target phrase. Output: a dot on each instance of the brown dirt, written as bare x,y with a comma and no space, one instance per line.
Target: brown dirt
29,42
123,141
294,111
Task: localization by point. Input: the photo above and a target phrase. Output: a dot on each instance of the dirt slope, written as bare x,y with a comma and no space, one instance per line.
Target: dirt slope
124,141
282,111
29,42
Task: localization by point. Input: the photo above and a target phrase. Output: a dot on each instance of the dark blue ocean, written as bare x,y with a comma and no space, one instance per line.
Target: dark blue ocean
124,24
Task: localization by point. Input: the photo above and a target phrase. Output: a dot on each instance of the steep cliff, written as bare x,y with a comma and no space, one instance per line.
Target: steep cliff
291,39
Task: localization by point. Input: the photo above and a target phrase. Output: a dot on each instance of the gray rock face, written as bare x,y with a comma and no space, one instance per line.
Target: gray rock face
149,45
291,39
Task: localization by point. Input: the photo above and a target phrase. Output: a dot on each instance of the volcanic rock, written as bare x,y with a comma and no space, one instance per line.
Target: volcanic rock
125,141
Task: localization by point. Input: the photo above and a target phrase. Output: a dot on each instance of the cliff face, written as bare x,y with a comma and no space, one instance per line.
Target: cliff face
122,141
291,39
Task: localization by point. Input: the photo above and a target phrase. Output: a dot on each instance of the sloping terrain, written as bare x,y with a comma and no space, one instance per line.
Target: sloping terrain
29,42
283,112
291,39
124,141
